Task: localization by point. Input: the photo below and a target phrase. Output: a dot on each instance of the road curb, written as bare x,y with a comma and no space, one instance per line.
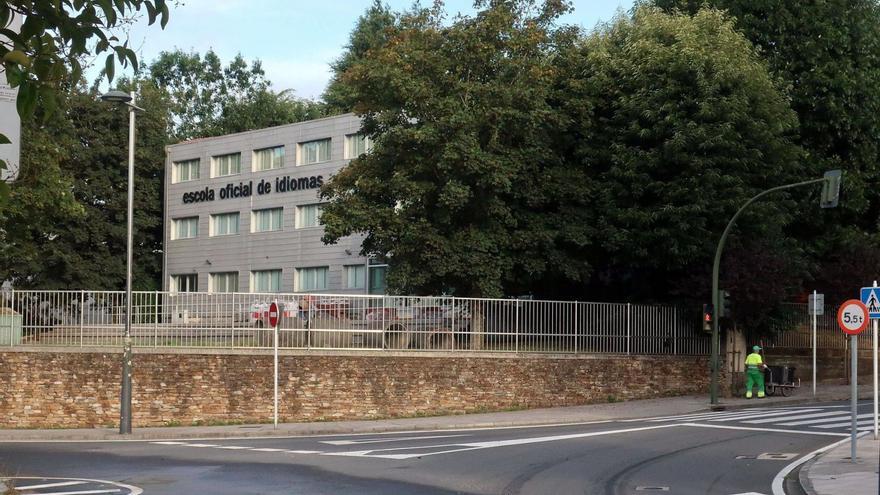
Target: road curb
364,427
804,476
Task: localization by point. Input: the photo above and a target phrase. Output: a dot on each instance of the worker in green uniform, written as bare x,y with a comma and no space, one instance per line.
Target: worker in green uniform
755,373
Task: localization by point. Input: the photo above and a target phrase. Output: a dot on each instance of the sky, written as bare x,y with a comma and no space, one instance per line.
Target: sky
295,39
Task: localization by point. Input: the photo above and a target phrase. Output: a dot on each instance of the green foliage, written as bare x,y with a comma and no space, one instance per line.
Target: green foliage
45,55
66,225
463,190
371,32
828,54
208,99
676,122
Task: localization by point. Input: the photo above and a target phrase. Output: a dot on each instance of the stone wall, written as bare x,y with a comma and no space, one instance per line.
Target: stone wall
81,389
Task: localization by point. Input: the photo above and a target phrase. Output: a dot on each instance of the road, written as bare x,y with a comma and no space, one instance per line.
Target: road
725,453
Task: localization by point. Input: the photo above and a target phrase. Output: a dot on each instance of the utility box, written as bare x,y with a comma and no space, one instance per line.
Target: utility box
10,327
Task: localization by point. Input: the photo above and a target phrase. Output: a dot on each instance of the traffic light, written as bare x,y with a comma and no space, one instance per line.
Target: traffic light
707,318
831,189
724,304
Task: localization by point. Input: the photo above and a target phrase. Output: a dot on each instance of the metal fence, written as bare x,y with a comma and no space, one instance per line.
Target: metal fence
310,321
795,330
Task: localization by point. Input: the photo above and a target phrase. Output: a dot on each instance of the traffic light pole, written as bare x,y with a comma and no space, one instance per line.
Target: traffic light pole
716,268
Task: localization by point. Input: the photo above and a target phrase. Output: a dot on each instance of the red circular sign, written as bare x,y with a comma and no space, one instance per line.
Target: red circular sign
273,315
852,317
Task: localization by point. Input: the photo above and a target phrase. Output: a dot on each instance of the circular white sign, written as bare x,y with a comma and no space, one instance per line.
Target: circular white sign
852,317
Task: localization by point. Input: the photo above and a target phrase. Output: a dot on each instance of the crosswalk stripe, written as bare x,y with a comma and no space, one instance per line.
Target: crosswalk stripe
760,415
705,416
824,420
862,422
51,485
799,416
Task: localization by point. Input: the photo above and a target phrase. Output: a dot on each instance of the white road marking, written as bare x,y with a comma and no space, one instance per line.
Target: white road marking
859,422
779,480
749,493
303,451
761,415
51,485
774,430
201,445
491,444
824,420
132,490
800,416
702,415
383,440
769,456
83,492
233,447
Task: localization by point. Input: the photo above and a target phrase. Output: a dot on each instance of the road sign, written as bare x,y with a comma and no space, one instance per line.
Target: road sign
852,317
817,304
871,299
273,314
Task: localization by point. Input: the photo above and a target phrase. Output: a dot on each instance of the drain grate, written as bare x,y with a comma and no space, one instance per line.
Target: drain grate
774,456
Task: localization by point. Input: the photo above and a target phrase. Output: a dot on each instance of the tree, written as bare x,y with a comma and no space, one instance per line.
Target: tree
677,122
371,32
65,228
462,191
45,54
828,53
208,99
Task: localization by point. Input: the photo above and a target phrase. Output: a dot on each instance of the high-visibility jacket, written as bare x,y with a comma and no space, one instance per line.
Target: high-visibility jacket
754,360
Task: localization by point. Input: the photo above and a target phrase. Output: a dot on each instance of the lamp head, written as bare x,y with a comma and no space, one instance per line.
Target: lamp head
116,96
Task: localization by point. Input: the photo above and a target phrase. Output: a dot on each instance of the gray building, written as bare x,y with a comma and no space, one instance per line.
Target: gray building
242,211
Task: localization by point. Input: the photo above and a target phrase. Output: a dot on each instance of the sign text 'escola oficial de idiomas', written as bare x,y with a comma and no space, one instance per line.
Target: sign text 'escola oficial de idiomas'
244,190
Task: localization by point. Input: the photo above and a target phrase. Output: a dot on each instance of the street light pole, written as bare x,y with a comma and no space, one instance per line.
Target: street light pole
125,401
716,265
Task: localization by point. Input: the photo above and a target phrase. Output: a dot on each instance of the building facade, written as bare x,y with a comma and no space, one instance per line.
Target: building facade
242,212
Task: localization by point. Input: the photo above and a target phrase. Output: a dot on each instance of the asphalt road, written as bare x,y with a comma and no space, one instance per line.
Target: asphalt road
725,453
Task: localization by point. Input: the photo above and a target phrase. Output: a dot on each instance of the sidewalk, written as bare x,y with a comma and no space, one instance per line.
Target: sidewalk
832,473
577,414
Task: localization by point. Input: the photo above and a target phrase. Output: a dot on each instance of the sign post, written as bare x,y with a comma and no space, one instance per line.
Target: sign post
273,321
871,299
852,317
817,307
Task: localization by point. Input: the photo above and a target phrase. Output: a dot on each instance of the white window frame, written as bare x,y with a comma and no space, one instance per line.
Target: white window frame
256,273
348,147
300,272
212,230
176,279
175,227
193,164
215,277
301,152
255,223
299,216
275,164
347,278
215,172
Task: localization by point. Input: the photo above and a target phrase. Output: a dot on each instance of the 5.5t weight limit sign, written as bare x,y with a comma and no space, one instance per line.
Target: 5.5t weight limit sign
852,317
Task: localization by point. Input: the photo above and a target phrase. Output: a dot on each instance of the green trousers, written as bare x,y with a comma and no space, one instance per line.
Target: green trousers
754,377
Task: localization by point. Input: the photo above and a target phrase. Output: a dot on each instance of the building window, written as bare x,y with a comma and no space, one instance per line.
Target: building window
313,152
223,282
311,278
269,158
224,224
266,281
308,216
355,276
227,164
268,220
377,279
185,171
356,145
185,228
185,283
